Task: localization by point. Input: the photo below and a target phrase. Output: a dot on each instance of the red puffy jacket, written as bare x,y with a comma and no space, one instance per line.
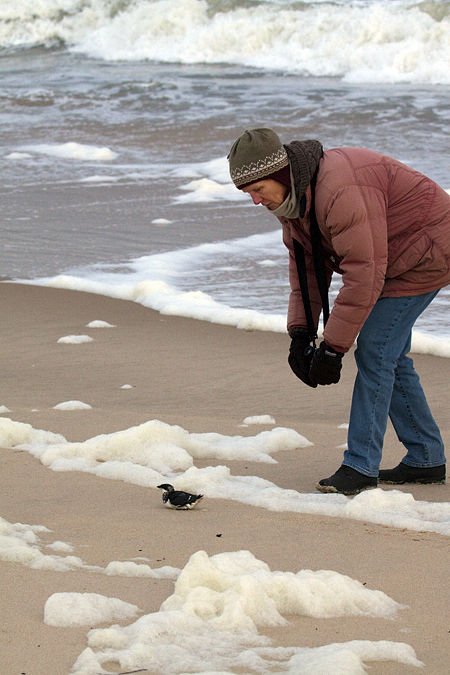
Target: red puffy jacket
385,227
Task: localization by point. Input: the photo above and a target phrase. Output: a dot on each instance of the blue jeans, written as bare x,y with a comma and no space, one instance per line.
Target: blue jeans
388,386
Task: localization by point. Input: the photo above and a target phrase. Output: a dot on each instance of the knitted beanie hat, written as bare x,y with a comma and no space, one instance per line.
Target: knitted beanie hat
258,154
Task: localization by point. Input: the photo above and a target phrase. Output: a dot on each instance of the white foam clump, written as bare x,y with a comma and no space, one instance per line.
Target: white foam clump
18,155
223,600
100,324
61,547
84,609
4,409
74,339
161,221
154,445
207,190
74,151
20,544
13,434
128,568
216,169
72,405
100,179
211,183
266,596
259,419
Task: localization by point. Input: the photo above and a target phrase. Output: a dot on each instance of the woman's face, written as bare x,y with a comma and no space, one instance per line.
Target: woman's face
267,192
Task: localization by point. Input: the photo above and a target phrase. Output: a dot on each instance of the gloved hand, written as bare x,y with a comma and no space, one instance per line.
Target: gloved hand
300,354
326,365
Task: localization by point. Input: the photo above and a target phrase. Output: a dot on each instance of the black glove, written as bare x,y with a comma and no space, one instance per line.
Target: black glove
326,365
300,354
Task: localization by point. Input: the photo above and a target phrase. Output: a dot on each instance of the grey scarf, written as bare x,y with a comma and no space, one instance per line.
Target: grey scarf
304,157
290,208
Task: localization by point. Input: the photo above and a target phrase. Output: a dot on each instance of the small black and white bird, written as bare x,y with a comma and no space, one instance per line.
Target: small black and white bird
176,499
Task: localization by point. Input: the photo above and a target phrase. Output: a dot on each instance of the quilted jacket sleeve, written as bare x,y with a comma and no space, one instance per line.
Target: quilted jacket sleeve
356,229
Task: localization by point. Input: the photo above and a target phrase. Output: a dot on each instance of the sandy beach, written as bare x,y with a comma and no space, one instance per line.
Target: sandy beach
204,378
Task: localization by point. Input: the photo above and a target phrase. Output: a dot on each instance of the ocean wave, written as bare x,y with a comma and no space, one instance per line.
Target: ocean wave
359,41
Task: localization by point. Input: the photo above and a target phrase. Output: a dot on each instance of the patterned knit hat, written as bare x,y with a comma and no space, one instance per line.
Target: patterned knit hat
257,154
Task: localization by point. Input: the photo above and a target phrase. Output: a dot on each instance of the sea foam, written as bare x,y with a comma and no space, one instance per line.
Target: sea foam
155,452
210,624
73,150
219,600
22,544
84,609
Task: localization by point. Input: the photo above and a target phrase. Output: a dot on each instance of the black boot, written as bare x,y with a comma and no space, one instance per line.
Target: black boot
347,481
403,473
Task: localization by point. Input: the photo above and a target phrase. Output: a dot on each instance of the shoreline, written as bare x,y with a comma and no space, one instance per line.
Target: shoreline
169,301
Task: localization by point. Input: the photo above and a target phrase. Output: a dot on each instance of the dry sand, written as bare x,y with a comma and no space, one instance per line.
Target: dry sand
203,377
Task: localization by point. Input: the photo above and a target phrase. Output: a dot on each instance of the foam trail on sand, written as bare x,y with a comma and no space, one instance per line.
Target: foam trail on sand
20,544
155,452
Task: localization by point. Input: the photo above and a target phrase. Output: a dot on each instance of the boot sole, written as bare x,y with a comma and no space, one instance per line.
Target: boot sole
419,481
330,489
